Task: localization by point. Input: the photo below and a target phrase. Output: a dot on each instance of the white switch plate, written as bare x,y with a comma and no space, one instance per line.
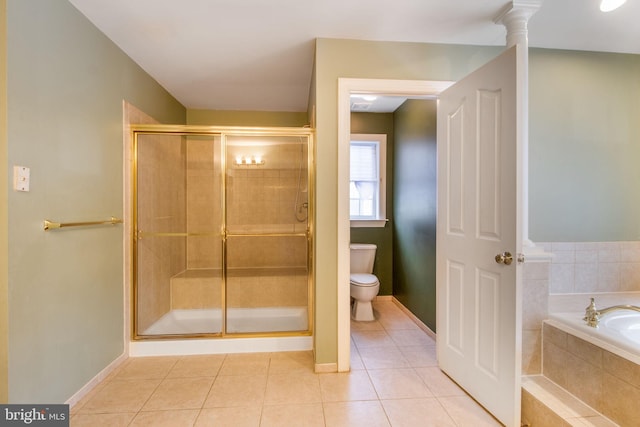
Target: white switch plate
21,176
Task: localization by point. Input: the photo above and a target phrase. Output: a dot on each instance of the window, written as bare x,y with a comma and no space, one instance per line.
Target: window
367,189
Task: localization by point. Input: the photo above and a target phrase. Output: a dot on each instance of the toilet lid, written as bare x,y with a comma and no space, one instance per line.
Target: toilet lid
364,279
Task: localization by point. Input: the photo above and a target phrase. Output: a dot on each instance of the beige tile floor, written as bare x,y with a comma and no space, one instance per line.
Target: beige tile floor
394,381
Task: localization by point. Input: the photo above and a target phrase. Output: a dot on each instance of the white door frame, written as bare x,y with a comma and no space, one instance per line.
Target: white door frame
346,87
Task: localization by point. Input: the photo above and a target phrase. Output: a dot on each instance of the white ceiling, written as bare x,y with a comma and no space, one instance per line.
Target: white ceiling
258,55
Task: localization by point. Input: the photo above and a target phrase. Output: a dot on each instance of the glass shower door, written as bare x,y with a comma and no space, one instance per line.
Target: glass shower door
178,248
267,255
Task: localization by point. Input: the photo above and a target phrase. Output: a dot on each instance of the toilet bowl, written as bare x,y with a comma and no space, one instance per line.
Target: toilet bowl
364,285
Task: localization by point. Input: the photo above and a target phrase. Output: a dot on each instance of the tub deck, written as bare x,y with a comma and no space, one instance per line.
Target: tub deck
606,336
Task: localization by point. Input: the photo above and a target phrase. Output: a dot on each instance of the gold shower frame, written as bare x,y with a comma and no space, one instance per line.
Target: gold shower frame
223,132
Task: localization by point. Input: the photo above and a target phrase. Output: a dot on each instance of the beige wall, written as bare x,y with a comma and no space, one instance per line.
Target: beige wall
66,84
361,59
4,314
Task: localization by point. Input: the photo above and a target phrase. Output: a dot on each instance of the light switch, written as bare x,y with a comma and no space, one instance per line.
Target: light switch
21,178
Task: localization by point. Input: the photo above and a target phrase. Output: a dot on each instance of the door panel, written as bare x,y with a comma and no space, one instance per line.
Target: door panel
487,322
479,321
455,307
178,245
267,256
488,173
455,172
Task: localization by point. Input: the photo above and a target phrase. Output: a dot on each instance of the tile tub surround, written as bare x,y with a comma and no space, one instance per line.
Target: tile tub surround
534,312
585,267
605,381
577,270
577,303
545,404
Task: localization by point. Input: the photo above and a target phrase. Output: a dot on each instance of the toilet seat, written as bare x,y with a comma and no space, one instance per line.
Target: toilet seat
361,279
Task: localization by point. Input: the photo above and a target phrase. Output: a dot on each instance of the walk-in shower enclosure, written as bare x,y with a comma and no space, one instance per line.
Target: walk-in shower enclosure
222,231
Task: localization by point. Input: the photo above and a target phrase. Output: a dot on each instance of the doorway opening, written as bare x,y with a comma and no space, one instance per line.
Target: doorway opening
347,88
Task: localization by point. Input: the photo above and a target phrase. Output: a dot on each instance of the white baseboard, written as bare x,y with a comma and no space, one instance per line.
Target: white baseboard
96,380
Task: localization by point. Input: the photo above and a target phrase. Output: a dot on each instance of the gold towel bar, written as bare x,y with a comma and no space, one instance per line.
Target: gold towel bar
48,225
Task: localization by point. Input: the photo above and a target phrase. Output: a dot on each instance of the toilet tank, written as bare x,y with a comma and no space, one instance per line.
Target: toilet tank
362,257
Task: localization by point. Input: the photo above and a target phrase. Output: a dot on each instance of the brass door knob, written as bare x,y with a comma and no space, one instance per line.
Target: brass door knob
504,258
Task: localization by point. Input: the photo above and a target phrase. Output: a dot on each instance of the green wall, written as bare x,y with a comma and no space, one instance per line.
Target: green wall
584,146
379,123
337,58
246,118
66,85
414,255
4,226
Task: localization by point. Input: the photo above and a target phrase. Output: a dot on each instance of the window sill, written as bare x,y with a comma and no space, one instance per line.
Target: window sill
368,223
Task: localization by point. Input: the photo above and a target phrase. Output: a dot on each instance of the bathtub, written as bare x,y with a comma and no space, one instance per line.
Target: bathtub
617,332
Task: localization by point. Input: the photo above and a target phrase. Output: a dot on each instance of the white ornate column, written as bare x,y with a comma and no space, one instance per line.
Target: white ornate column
515,18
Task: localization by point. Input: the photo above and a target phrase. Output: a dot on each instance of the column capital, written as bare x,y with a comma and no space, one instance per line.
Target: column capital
515,16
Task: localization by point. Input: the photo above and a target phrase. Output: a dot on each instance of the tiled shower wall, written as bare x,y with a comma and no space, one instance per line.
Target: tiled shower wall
576,268
260,199
263,271
204,208
261,196
265,199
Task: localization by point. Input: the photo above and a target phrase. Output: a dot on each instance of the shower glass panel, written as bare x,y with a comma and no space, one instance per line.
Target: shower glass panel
178,243
267,245
221,232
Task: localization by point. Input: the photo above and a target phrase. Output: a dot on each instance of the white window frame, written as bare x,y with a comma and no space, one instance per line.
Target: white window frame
380,220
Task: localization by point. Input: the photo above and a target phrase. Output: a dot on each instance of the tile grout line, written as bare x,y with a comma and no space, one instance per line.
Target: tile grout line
153,392
215,378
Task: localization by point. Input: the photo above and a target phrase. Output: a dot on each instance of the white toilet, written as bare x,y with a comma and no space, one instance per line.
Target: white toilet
364,285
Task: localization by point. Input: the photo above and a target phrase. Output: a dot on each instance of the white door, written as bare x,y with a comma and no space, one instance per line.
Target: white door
478,296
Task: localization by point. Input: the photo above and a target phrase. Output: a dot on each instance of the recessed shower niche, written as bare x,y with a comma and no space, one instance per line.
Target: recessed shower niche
222,231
